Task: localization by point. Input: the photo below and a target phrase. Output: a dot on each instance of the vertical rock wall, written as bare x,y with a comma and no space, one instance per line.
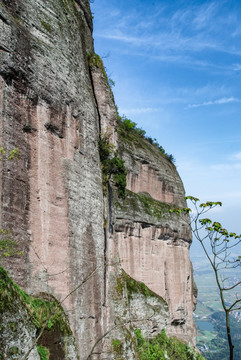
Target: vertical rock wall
82,248
52,196
154,245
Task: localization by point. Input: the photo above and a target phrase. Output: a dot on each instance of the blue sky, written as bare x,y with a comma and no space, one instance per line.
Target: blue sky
177,72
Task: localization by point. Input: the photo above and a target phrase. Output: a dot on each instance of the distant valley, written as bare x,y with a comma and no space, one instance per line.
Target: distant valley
209,316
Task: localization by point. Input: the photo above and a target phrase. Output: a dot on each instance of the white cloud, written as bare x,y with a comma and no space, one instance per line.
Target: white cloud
236,67
215,102
114,13
177,36
237,156
138,110
237,31
234,164
165,41
204,16
124,37
223,167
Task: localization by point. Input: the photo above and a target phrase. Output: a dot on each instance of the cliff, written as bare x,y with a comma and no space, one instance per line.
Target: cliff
113,264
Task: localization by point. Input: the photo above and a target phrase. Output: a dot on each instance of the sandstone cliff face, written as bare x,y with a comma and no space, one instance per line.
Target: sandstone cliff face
52,197
152,244
77,242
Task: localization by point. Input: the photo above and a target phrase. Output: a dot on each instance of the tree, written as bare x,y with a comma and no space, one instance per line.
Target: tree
217,244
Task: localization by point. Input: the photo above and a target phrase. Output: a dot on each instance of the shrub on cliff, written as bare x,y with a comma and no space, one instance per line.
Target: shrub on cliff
163,348
112,166
127,128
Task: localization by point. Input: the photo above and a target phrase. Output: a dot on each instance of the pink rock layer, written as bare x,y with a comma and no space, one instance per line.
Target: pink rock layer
165,267
147,180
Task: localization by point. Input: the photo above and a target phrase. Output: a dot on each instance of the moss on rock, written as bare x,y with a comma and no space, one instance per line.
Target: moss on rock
43,352
39,316
42,312
130,136
117,346
124,282
143,203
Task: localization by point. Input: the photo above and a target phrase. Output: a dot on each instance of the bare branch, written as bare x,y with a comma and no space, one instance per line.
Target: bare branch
234,304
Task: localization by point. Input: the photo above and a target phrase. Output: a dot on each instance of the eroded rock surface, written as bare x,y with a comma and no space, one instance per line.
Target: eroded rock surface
52,196
154,249
55,101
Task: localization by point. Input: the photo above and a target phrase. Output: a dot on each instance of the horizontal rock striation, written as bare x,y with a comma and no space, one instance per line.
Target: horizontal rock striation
153,244
52,196
113,264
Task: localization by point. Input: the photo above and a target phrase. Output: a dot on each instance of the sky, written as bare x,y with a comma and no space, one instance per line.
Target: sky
177,72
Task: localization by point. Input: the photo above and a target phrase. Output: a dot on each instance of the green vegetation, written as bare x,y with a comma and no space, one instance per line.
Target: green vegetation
95,61
13,326
134,203
8,245
163,348
128,131
153,207
46,316
132,286
117,346
218,343
42,312
43,352
12,154
14,350
66,5
111,82
217,244
47,26
112,166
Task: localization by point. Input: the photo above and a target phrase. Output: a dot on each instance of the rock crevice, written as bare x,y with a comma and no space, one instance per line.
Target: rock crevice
107,260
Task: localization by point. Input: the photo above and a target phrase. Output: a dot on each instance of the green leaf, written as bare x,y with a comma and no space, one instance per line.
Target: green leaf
209,228
192,198
205,221
186,210
210,203
217,225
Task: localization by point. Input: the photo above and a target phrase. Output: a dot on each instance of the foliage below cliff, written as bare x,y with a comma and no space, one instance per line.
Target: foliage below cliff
38,316
163,348
42,312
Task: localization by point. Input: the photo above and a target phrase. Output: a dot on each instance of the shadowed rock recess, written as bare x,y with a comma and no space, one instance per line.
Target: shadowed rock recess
112,264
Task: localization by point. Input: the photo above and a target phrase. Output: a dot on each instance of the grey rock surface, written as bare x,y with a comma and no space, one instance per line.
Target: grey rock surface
76,240
18,334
